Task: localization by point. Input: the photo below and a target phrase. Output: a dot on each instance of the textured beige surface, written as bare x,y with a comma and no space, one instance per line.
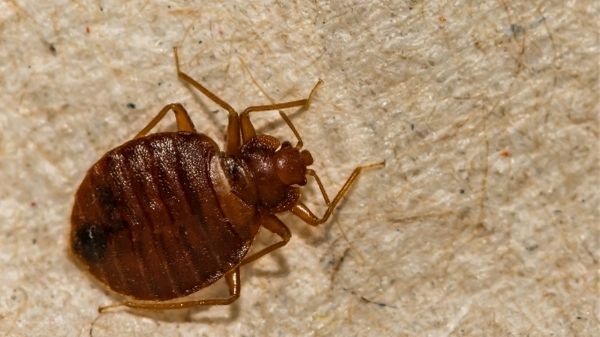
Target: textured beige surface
483,223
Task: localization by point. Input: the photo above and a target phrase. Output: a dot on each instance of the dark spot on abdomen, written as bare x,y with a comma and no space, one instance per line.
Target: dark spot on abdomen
106,198
90,242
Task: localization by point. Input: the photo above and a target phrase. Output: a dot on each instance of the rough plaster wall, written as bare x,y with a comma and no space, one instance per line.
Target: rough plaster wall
484,221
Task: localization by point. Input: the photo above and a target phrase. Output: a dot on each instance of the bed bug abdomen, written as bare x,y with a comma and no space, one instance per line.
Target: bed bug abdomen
147,221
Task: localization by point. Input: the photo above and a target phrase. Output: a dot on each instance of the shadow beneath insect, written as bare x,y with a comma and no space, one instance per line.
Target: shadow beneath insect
229,314
180,316
282,268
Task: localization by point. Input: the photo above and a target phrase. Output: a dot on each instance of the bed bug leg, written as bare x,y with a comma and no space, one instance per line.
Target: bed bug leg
233,283
274,225
184,123
233,128
248,131
303,212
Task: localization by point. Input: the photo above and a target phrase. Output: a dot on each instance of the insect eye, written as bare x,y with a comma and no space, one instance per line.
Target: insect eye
235,173
307,158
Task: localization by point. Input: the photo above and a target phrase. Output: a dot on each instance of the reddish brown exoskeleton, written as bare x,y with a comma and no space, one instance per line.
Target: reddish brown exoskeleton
167,214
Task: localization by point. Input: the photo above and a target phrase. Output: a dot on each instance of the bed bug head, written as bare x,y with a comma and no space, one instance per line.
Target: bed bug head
277,169
291,163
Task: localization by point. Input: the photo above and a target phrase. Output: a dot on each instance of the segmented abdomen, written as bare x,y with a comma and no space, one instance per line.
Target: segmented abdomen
146,220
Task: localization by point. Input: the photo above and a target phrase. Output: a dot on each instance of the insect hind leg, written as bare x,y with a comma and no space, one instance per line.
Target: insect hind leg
233,284
184,123
233,128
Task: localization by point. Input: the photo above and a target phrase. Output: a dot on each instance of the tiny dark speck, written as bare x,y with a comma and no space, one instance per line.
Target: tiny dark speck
412,127
52,49
516,29
462,191
34,241
90,242
131,105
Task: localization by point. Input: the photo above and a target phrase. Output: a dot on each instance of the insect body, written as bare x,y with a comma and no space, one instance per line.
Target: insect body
167,214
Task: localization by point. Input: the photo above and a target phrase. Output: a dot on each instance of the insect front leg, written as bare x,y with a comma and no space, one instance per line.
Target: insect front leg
248,131
305,214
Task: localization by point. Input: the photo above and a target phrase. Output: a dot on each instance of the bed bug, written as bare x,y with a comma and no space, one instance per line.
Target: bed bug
166,214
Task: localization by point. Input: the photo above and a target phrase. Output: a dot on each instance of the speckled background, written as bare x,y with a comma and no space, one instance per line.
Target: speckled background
484,222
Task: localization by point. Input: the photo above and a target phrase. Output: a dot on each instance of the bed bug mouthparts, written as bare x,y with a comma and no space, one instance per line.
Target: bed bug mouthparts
167,214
